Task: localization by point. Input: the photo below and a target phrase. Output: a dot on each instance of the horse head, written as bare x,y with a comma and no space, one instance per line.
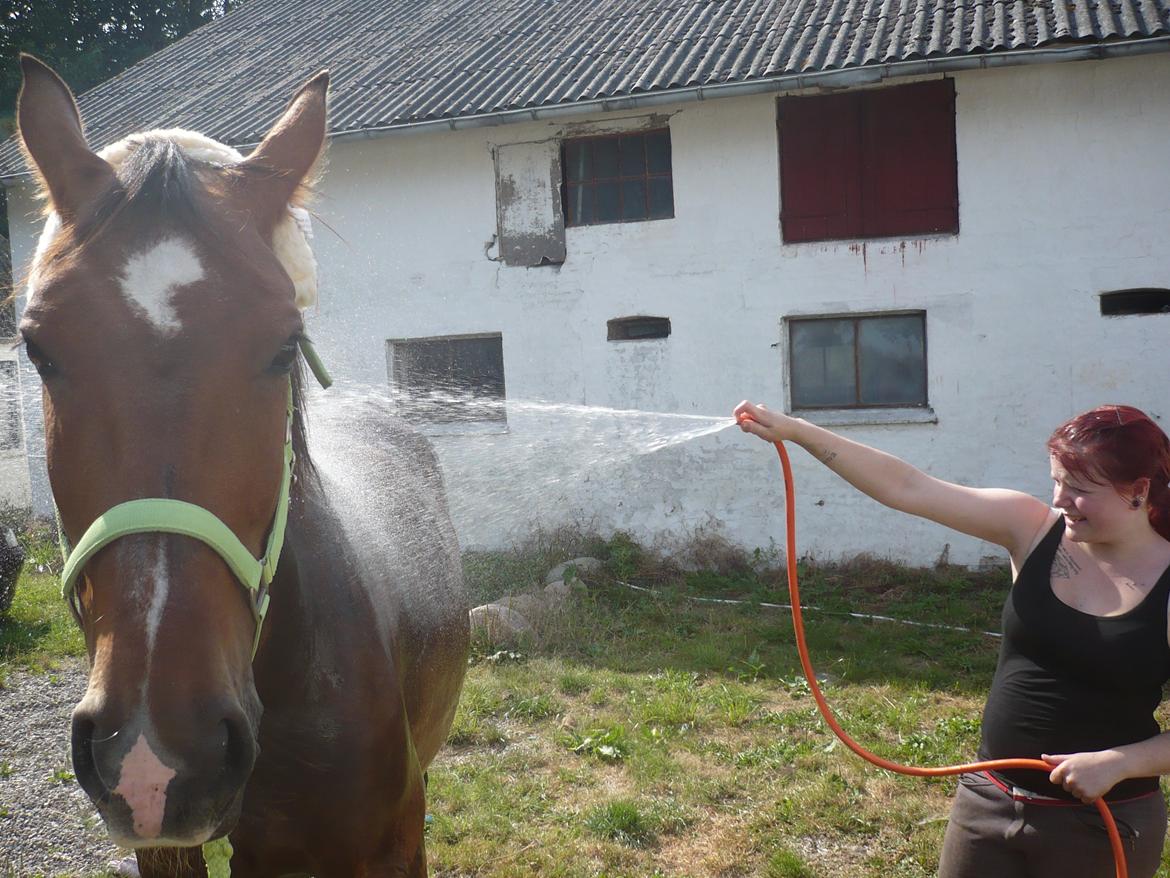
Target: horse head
165,325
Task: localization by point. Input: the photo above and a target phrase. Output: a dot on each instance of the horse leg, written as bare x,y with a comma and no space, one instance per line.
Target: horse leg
403,851
171,863
394,866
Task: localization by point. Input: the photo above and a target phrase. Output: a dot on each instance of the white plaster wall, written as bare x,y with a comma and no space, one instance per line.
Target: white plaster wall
25,219
1063,194
14,477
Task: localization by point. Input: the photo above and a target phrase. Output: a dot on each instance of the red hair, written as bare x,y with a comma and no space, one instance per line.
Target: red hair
1117,445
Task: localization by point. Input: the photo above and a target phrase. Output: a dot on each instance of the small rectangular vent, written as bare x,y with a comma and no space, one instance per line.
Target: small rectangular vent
638,328
1149,300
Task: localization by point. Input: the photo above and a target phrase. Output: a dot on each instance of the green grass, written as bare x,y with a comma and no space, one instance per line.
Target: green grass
651,735
38,630
680,738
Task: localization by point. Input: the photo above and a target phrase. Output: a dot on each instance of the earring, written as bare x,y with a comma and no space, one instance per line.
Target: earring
1137,502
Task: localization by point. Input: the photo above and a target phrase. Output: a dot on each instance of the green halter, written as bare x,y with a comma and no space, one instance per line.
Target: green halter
158,515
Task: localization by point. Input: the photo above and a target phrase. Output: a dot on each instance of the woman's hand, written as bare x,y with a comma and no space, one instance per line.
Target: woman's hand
1088,776
761,421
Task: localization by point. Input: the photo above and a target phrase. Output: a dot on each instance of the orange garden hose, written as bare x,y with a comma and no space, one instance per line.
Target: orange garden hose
827,713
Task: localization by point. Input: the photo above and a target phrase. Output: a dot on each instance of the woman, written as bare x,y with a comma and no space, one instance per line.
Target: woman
1086,644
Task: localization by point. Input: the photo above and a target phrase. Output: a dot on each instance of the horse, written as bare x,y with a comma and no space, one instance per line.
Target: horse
165,320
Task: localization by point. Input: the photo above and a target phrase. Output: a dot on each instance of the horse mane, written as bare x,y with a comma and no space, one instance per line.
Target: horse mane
158,178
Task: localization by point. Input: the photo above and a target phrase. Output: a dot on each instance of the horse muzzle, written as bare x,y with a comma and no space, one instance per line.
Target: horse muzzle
153,788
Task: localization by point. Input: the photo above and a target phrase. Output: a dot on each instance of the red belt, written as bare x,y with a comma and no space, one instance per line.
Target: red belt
1019,794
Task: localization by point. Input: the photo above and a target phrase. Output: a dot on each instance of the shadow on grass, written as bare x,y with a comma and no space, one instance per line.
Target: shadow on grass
21,637
38,631
622,630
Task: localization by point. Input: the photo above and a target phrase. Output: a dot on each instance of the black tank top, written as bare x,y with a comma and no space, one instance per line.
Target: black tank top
1070,682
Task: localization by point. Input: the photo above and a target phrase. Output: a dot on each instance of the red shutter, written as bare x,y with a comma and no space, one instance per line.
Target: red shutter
910,172
820,168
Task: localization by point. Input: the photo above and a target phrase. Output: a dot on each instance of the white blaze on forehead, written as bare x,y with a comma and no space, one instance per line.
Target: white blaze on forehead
143,784
151,279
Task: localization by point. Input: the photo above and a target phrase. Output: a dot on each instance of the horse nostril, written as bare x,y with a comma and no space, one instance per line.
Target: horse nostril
240,748
84,764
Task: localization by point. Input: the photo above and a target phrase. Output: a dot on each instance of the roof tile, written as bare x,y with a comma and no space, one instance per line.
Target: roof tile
405,61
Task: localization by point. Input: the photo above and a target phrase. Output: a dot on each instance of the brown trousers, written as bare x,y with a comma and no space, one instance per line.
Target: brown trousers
992,834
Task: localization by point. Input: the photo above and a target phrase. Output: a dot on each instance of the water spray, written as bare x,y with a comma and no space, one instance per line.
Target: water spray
831,719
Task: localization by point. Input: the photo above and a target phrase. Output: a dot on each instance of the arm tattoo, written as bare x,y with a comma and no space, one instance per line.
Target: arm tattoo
1064,566
829,457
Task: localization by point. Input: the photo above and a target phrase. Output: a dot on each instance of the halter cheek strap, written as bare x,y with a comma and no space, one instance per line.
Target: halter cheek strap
159,515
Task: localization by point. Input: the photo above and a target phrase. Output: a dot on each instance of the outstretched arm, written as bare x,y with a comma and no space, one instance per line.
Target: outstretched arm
1007,518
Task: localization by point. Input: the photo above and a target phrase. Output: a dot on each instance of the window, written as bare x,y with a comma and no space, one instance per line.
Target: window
637,328
9,407
869,164
450,379
858,362
1150,300
618,178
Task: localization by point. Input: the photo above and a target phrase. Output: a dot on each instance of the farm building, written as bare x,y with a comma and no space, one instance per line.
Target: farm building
938,227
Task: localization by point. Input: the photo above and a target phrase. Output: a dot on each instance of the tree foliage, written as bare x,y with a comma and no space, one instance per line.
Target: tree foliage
88,41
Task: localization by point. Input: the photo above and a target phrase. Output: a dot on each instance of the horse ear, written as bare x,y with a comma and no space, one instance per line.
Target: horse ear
50,129
278,167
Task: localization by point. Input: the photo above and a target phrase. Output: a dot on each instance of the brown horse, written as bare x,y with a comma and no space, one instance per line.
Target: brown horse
166,330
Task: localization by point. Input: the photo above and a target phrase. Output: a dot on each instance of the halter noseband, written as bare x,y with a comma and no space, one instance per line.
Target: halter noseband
159,515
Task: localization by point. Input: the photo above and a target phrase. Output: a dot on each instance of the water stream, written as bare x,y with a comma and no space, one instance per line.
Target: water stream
545,465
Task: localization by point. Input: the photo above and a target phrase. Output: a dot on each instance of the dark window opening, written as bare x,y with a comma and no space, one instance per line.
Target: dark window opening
858,362
9,407
637,328
450,379
869,164
617,178
1150,300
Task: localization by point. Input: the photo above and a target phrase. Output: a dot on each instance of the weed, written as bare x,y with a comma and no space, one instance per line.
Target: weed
733,705
573,683
947,742
750,669
533,708
623,556
610,744
786,864
622,821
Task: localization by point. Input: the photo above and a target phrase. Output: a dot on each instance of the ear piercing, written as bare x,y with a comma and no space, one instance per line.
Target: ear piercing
1136,502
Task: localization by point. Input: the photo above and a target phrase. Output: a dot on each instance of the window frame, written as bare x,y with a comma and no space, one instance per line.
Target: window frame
836,152
646,176
420,411
859,412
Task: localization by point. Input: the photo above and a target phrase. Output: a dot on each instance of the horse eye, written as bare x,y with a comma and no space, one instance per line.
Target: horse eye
45,367
284,361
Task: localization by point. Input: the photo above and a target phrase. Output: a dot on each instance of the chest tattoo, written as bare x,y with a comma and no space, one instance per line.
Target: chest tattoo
1064,565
